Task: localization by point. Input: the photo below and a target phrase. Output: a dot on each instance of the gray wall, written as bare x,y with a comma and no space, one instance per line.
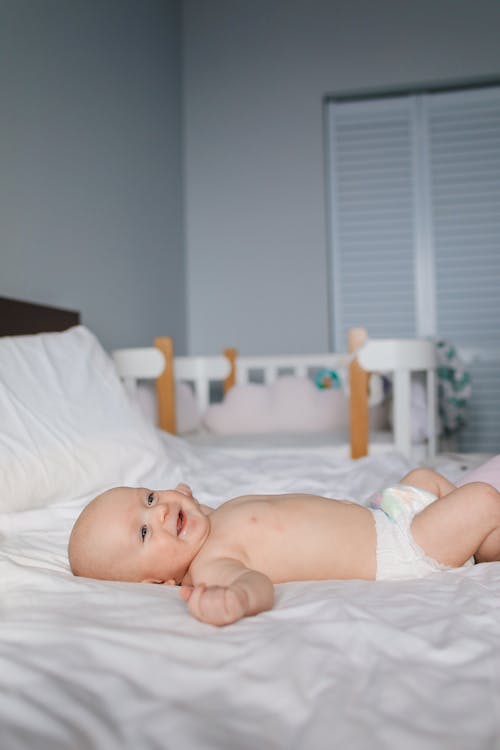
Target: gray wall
255,73
91,181
90,163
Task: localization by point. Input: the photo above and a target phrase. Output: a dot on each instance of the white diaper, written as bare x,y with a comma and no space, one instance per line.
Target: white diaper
399,557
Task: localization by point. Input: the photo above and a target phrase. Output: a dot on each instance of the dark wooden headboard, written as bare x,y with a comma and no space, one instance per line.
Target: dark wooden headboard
18,318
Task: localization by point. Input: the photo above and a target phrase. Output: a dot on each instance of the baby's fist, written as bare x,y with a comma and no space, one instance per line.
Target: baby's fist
217,605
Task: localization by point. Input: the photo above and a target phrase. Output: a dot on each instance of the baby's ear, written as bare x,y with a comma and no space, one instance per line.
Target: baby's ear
185,489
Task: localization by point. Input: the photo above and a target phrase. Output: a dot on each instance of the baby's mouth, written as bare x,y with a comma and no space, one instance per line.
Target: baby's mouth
180,522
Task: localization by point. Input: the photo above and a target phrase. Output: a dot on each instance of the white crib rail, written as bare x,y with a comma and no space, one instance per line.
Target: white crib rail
140,363
145,363
201,371
299,365
401,357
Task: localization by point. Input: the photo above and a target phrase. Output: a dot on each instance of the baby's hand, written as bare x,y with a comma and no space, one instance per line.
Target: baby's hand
217,605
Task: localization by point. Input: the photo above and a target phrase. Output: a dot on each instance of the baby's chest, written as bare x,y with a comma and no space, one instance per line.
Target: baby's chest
237,537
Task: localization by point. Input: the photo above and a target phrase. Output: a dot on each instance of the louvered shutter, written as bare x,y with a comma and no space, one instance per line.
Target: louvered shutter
372,217
415,229
464,144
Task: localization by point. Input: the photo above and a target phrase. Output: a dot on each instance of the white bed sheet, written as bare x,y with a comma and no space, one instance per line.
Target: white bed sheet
351,664
332,445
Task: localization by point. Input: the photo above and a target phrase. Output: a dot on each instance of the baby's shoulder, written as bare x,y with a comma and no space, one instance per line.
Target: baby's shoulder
235,504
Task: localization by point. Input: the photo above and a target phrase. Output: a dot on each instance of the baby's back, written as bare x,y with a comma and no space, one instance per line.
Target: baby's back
293,537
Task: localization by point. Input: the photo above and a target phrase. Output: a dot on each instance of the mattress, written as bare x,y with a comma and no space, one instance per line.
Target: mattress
355,664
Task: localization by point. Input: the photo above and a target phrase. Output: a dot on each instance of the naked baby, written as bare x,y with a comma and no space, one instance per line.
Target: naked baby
227,560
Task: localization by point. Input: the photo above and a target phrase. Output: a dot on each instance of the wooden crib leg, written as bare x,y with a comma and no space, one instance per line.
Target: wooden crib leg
165,386
232,355
358,397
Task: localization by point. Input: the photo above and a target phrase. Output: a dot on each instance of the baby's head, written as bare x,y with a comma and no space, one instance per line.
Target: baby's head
136,534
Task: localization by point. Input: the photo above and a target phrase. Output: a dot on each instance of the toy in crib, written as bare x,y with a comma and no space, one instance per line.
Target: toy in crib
328,379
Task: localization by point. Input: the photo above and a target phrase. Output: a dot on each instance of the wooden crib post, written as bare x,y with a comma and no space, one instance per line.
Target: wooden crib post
165,386
358,396
231,354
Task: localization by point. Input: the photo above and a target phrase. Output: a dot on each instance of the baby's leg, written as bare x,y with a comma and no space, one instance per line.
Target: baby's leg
429,480
465,522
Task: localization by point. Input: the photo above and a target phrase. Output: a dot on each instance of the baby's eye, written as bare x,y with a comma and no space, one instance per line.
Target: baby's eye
150,498
144,532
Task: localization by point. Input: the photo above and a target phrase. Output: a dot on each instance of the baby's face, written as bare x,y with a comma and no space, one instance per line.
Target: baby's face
137,534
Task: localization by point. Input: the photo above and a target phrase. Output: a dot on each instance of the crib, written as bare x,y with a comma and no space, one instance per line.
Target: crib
400,359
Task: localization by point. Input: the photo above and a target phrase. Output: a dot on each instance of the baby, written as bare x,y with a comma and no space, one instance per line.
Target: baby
227,559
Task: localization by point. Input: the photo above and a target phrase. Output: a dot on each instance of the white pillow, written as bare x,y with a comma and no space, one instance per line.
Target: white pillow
67,426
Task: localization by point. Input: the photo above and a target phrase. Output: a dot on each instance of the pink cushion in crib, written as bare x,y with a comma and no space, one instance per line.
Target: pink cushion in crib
290,404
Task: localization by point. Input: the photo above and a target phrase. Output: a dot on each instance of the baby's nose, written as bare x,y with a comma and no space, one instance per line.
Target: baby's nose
161,511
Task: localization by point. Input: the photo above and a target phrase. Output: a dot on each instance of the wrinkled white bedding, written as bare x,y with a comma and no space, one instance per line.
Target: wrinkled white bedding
351,664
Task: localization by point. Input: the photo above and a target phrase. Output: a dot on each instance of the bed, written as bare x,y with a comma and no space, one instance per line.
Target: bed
93,664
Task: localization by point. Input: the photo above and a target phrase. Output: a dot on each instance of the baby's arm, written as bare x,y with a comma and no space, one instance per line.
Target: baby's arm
239,592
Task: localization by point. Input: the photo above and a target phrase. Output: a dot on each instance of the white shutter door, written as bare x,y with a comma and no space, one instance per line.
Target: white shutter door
464,134
464,142
482,432
372,217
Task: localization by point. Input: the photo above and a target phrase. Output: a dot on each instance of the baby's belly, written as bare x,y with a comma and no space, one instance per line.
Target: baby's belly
336,545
